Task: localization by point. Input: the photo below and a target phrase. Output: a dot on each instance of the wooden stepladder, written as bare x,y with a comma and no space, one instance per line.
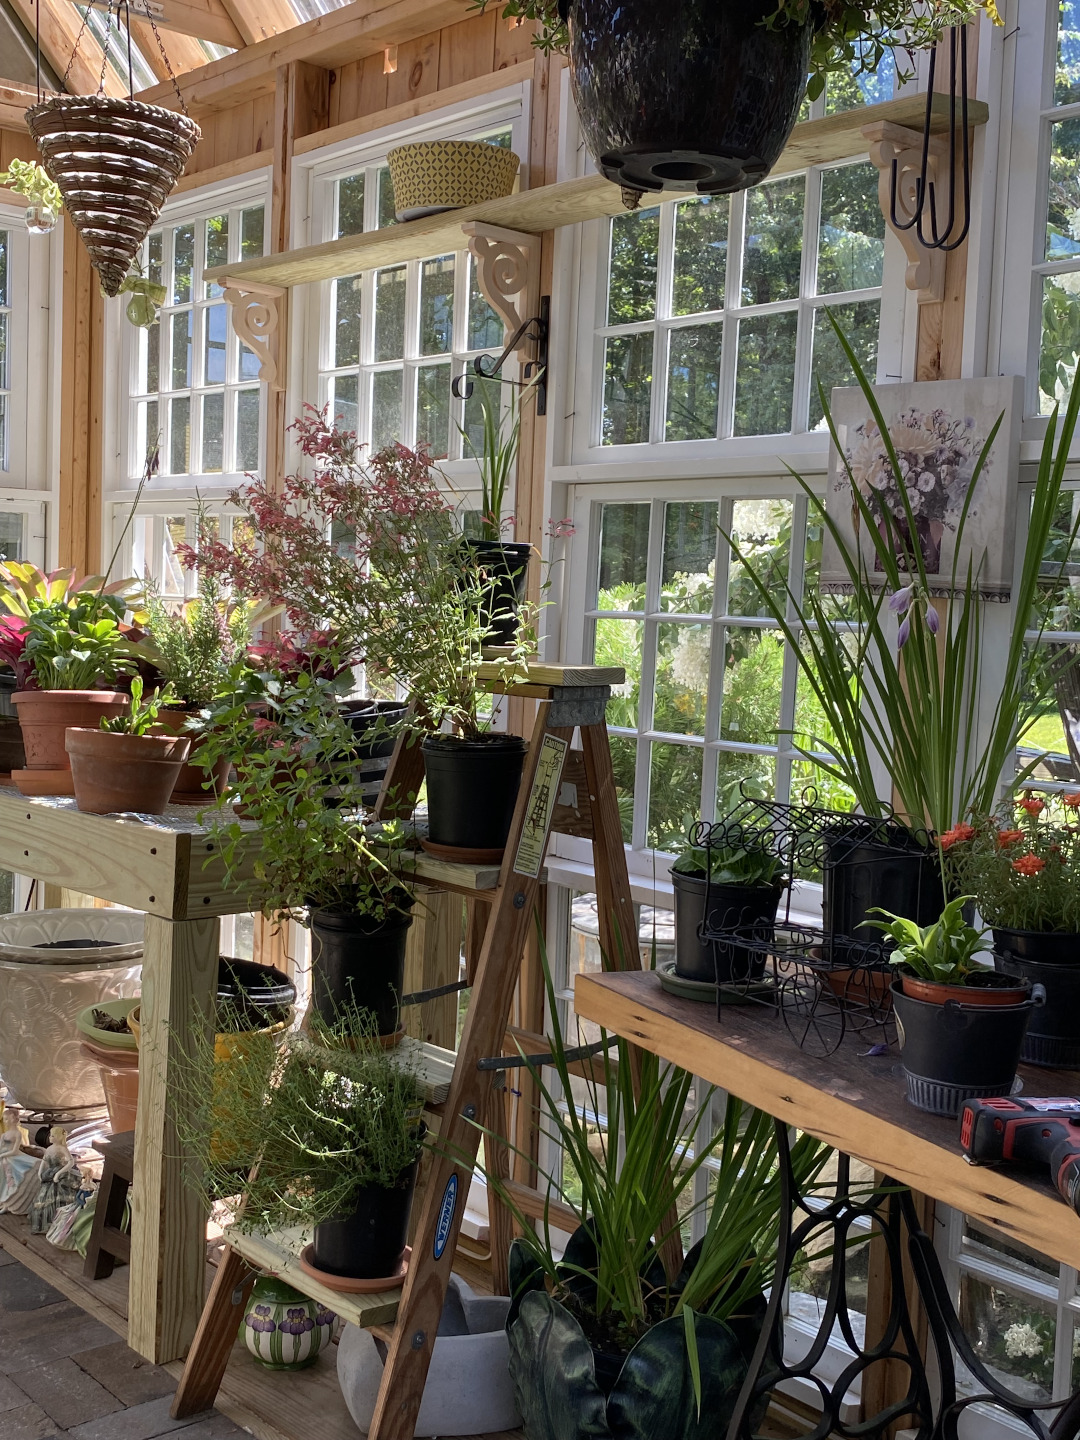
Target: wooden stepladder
561,788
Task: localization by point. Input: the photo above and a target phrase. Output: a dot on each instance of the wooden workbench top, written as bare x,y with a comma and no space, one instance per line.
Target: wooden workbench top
851,1100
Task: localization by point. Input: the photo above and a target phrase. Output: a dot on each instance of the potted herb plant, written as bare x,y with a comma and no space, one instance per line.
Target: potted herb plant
67,642
1023,867
505,563
961,1024
338,1133
122,765
737,886
325,863
604,1342
704,94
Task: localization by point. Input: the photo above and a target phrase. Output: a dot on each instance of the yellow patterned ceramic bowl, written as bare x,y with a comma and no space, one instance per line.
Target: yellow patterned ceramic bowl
437,175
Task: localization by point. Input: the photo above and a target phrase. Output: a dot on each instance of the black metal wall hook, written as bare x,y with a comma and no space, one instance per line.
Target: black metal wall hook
534,372
947,238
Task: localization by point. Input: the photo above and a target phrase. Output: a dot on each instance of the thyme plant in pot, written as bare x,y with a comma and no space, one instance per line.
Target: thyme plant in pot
736,886
338,1135
898,684
1023,867
604,1342
327,864
960,1023
704,95
123,765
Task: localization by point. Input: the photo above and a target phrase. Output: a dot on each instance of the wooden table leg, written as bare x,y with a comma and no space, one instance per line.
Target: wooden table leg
210,1350
168,1223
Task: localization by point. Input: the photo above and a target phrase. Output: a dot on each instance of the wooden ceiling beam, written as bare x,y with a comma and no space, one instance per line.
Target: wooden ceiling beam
259,20
203,19
184,51
61,24
14,102
366,27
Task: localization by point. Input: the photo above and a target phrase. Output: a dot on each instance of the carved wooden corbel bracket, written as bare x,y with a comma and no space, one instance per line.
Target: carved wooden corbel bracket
507,272
256,317
889,143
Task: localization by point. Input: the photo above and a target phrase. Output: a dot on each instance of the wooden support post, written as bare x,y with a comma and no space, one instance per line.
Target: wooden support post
887,1383
432,959
168,1223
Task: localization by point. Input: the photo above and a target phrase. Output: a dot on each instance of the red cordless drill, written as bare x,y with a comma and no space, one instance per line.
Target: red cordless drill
1029,1132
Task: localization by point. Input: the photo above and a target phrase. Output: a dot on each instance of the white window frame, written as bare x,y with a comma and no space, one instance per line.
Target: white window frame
126,341
32,272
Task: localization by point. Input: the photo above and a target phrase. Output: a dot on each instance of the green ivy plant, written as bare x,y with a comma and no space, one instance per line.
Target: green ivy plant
28,178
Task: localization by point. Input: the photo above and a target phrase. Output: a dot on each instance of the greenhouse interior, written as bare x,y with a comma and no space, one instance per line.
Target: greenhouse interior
676,410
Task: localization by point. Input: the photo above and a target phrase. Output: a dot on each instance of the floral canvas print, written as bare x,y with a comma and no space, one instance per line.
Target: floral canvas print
938,430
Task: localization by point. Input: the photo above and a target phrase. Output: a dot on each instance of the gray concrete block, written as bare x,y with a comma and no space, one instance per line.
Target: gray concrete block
67,1394
28,1423
127,1375
21,1289
216,1427
11,1397
48,1334
141,1422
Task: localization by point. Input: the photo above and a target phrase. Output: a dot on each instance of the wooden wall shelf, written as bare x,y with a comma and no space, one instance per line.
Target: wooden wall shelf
570,202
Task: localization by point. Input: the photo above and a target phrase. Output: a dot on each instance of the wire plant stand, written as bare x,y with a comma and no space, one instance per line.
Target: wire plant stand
823,982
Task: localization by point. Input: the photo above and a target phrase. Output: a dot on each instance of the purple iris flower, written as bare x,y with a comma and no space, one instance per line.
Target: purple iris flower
259,1319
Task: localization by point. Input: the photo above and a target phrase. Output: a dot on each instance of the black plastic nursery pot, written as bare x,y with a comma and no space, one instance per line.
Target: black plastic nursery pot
369,1244
696,95
1040,947
506,569
956,1052
251,996
896,874
375,725
729,905
1053,1034
472,788
359,965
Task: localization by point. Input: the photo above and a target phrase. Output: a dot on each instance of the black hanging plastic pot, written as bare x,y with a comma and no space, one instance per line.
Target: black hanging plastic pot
1053,1033
894,873
956,1052
506,569
693,95
374,724
369,1244
1040,947
357,964
253,997
729,905
472,788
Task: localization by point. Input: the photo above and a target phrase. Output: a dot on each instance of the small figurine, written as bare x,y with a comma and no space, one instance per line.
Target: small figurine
59,1181
15,1167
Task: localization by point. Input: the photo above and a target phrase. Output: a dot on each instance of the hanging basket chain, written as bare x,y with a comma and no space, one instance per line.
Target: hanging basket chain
165,61
108,41
75,49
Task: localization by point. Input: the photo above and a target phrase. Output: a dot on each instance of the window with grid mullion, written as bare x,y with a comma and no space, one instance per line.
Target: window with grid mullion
5,342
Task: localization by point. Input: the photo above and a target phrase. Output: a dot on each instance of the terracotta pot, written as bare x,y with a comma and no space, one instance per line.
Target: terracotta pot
45,715
124,772
190,785
120,1082
936,994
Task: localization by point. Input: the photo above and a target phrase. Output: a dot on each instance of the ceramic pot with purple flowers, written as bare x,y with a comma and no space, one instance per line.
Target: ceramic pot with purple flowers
283,1329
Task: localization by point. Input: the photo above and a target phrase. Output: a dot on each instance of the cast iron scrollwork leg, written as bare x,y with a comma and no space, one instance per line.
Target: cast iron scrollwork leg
931,1407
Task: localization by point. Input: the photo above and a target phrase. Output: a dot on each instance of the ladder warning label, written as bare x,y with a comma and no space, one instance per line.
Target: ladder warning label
541,807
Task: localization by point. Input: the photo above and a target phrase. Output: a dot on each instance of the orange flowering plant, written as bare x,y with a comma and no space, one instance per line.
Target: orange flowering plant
1022,864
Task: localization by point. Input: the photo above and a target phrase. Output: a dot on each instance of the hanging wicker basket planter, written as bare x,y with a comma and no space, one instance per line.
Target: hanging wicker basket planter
116,162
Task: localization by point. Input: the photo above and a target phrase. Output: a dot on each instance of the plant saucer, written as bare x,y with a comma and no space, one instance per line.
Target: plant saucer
457,856
351,1284
675,984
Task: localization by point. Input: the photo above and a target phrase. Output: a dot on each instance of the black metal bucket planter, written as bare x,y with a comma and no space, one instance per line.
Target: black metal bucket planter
696,95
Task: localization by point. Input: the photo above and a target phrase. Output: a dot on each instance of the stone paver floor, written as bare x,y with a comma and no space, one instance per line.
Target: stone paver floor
63,1373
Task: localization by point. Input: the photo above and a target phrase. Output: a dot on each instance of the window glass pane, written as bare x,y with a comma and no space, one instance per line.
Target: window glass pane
988,1244
3,433
1060,339
485,327
753,676
216,319
390,313
344,401
772,262
628,362
766,374
149,434
247,430
1013,1335
11,533
252,224
154,256
682,678
761,530
213,433
635,241
851,245
153,356
180,431
387,206
433,409
674,793
624,555
860,324
4,381
1067,72
873,87
249,364
350,204
386,408
739,775
618,643
694,382
689,564
5,245
623,761
474,411
701,241
217,246
1063,199
346,307
183,262
180,374
437,305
